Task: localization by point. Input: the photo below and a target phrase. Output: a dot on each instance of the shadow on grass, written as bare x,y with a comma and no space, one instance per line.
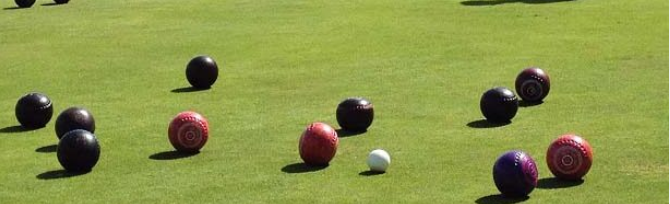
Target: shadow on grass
483,123
371,173
553,183
345,133
171,155
47,149
16,129
51,4
58,174
14,8
187,89
498,2
301,168
500,199
525,104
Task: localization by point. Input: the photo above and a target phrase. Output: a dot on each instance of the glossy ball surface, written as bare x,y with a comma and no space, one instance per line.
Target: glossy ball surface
318,144
202,72
515,174
532,84
78,151
499,105
74,118
34,110
355,114
188,132
569,157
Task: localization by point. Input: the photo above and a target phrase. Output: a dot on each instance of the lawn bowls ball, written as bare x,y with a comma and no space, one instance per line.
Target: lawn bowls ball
34,110
318,144
569,157
188,132
74,118
515,174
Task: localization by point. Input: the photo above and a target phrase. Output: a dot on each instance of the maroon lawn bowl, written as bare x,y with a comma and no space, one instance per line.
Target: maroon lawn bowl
532,84
355,114
318,144
188,132
569,157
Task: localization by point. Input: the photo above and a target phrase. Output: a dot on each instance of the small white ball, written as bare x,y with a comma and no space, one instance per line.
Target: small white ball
379,160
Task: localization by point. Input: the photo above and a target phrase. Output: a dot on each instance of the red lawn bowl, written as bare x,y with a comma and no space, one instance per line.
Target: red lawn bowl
318,144
569,157
188,132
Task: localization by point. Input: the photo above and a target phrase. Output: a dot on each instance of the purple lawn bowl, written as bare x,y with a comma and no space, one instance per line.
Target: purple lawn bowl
515,174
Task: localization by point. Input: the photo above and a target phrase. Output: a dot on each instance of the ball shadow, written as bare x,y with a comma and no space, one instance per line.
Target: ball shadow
554,183
171,155
188,89
483,123
47,149
499,2
500,199
345,133
301,168
51,4
371,173
16,129
58,174
14,8
525,104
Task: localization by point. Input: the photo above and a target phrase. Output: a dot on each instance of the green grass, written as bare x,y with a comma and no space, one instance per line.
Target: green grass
286,63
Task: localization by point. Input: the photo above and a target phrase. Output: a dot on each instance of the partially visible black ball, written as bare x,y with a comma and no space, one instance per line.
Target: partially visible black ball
34,110
499,105
78,151
61,1
24,3
74,118
202,72
355,114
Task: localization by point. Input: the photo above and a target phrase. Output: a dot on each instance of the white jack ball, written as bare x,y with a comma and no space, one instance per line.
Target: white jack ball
379,160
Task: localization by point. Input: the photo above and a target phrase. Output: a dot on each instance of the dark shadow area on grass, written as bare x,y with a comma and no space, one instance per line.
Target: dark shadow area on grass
483,123
301,168
171,155
51,4
500,199
525,104
47,149
14,8
498,2
345,133
16,129
371,173
553,183
187,90
57,174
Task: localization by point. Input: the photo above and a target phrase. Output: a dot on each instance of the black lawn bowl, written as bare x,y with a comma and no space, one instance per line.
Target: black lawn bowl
78,151
202,72
34,110
74,118
24,3
499,105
